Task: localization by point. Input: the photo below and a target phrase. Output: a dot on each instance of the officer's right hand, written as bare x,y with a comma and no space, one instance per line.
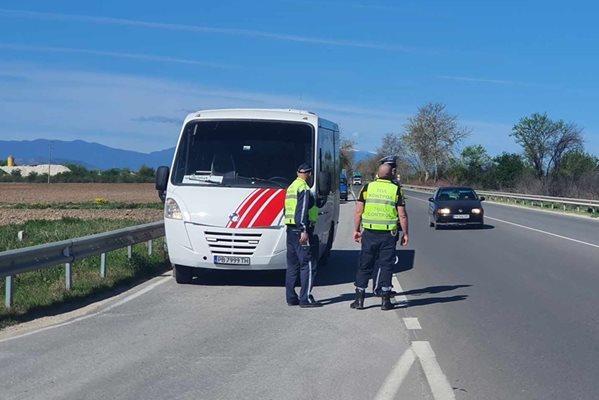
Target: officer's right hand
303,240
358,237
404,240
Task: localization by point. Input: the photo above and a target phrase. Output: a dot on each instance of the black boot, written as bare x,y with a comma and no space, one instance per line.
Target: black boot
386,301
358,303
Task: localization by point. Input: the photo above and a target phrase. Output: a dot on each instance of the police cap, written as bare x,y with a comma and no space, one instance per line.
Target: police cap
304,167
391,160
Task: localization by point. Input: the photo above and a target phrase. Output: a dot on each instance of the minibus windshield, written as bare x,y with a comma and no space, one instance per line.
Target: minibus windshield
242,153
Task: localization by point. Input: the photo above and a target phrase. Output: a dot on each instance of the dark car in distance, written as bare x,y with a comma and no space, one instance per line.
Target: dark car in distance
343,188
455,206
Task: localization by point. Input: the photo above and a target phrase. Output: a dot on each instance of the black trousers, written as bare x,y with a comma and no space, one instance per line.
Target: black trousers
299,262
378,248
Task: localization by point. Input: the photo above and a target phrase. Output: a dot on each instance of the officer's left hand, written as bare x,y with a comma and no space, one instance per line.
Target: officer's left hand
358,237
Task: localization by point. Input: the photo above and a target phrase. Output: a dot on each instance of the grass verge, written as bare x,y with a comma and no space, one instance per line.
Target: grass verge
43,292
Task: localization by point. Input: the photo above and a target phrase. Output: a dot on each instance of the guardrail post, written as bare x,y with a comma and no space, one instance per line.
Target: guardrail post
150,247
68,282
103,265
129,251
8,292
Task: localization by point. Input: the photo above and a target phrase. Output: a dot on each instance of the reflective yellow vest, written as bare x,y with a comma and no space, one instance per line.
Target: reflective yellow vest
298,185
380,208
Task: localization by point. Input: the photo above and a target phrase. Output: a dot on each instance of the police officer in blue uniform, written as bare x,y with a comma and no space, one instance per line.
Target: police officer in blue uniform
379,208
300,216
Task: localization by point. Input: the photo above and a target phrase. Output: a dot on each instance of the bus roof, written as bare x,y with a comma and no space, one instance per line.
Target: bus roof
263,113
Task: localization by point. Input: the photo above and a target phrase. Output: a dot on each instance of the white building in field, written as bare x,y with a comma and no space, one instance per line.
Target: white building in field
39,169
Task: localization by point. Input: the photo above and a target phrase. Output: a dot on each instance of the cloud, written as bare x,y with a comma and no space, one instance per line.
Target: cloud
482,80
135,112
200,29
143,113
113,54
159,119
366,6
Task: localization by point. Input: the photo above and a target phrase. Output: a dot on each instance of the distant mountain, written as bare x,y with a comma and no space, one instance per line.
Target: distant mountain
360,155
94,155
88,155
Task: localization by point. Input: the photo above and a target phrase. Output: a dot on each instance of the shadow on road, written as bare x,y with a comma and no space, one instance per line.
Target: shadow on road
433,289
465,228
217,277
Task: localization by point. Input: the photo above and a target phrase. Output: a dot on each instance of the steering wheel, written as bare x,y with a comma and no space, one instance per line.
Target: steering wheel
278,179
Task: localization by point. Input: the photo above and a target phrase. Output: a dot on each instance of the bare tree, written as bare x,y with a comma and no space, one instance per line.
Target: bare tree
545,142
432,134
346,153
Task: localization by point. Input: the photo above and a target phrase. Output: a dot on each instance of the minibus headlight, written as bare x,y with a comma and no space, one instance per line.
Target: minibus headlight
172,210
476,211
444,211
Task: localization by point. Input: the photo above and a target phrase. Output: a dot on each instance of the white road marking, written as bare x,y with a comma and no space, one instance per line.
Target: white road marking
545,232
533,229
437,380
398,297
412,323
396,377
118,303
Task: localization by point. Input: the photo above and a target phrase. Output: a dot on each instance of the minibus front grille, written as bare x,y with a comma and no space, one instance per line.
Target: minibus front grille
232,243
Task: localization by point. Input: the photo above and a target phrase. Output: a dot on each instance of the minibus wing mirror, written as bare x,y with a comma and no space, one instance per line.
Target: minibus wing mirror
162,174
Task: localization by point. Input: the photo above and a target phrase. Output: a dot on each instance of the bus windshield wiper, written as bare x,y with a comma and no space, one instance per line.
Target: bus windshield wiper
253,178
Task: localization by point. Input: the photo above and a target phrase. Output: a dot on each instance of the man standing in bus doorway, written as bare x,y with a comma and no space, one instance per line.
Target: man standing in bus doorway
379,208
300,216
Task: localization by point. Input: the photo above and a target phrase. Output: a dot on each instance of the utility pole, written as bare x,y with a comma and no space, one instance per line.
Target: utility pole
50,157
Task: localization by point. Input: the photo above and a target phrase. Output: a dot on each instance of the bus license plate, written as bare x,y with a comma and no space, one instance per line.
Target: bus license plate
232,260
461,216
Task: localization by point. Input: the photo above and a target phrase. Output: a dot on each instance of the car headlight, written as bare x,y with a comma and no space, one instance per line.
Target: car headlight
444,211
476,211
172,210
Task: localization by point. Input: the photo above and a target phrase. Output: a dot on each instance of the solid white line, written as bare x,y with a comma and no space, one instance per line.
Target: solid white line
412,323
437,380
533,229
545,232
118,303
396,377
398,297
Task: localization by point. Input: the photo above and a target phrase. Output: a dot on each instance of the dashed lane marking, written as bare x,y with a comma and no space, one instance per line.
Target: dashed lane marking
412,323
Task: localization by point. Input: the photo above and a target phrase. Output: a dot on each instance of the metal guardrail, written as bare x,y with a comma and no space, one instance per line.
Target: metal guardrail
66,252
592,205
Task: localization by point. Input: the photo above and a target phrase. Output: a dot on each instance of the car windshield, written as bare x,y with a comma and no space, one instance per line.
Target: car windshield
244,153
456,194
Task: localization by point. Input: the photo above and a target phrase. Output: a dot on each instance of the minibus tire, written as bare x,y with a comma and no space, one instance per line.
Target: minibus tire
182,274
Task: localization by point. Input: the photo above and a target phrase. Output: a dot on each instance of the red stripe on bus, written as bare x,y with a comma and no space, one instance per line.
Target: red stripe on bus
251,213
272,210
243,207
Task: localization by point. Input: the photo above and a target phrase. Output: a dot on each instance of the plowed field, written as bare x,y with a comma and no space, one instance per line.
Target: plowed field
20,193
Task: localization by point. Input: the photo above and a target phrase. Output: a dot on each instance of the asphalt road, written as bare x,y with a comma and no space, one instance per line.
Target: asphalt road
505,312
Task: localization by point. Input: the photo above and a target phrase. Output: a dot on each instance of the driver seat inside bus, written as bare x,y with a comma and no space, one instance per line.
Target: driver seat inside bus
223,165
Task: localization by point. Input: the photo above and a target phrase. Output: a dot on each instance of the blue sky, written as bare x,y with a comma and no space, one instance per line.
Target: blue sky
125,74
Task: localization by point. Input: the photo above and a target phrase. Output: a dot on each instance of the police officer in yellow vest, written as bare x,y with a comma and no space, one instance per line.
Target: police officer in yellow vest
300,217
380,205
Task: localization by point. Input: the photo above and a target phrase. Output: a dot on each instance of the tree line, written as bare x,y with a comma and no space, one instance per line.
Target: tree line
553,160
79,174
